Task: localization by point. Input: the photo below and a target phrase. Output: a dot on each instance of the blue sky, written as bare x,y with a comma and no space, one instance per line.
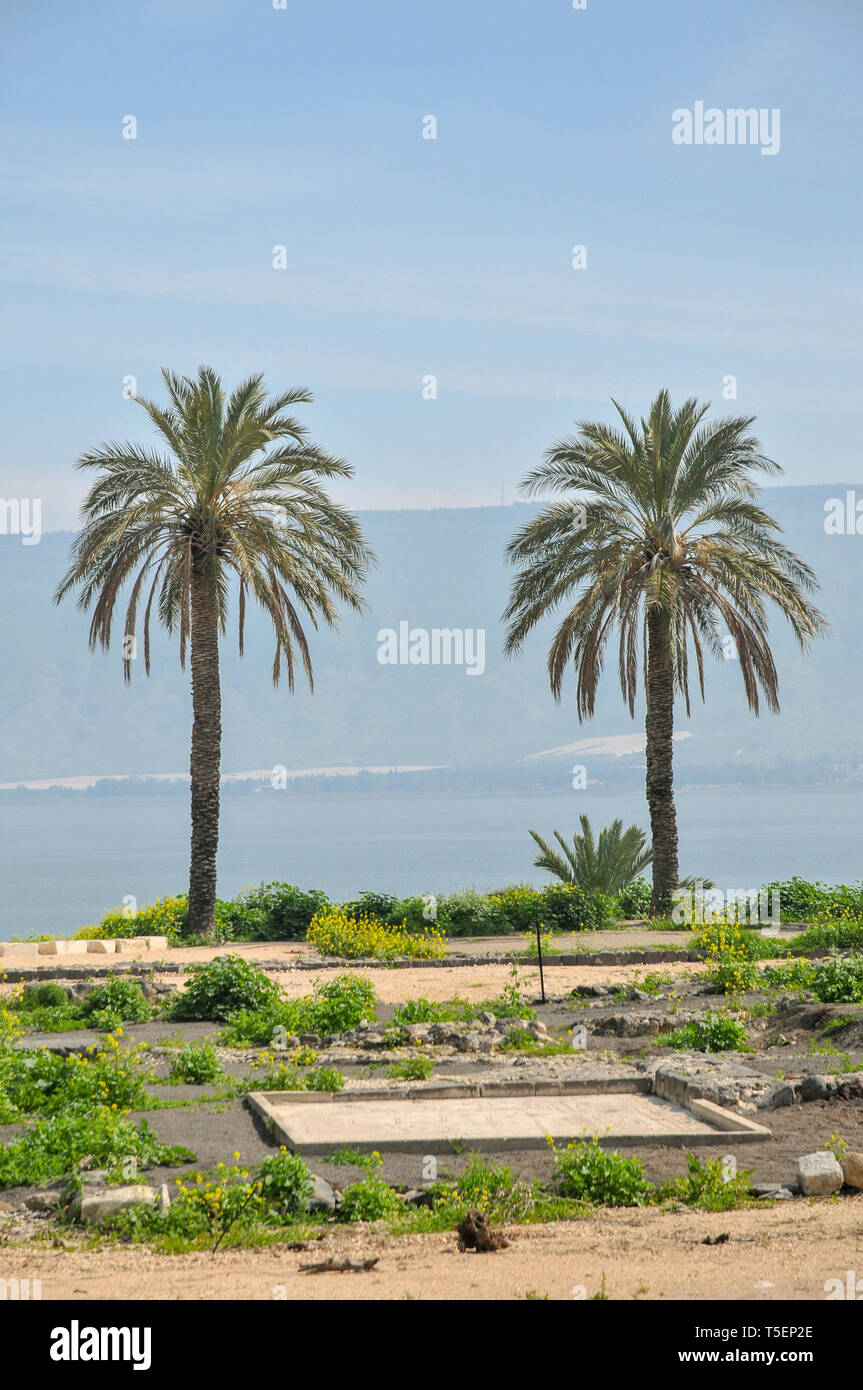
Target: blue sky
408,257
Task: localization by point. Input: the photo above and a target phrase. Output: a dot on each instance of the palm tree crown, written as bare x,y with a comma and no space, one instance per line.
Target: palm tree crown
222,505
670,523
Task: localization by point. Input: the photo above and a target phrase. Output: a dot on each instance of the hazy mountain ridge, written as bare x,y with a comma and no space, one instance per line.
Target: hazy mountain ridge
66,711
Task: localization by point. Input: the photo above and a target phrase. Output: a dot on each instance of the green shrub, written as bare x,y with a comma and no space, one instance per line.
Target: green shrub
285,1185
270,912
324,1079
802,901
585,1171
165,917
708,1186
633,900
714,1032
792,974
371,1199
567,908
223,987
334,1007
56,1147
44,1083
47,996
338,1005
468,913
411,1069
380,905
120,1000
840,981
196,1066
421,1011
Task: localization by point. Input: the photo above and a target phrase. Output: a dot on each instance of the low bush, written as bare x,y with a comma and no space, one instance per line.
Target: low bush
840,981
585,1171
165,917
57,1147
633,900
333,1007
223,987
412,1069
714,1032
802,901
336,933
710,1186
270,912
196,1066
119,1000
370,1199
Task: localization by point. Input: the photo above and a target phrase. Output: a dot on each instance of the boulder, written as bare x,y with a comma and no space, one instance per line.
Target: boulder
45,1200
852,1169
819,1174
96,1206
323,1196
814,1088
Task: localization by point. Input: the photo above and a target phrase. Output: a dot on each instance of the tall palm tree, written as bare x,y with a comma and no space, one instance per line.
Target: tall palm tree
603,865
657,535
222,504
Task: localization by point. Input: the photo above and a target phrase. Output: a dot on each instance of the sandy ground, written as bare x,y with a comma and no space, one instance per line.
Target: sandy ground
786,1252
439,983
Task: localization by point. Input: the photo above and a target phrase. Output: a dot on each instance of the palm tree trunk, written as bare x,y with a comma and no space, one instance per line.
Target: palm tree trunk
204,765
659,728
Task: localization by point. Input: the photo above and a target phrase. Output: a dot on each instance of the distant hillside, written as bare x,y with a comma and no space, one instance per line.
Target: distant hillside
65,711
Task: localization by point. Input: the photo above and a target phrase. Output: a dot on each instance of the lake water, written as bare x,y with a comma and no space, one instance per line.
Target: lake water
63,862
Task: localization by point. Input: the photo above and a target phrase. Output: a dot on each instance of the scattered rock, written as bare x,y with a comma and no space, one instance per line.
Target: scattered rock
420,1197
852,1169
819,1174
776,1190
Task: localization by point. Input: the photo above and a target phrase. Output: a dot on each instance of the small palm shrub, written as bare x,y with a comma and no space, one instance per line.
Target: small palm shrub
603,865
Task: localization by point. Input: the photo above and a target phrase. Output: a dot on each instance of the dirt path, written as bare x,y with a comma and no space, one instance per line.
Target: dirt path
789,1251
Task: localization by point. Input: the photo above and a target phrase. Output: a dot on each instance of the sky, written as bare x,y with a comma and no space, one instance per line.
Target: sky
406,257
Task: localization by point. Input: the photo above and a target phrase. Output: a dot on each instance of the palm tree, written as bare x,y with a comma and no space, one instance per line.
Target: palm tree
657,535
220,505
605,866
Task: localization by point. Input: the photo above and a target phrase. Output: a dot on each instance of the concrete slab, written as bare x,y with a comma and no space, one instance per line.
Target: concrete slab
424,1124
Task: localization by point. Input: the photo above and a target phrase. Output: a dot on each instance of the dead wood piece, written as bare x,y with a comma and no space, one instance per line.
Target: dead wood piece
339,1266
474,1234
